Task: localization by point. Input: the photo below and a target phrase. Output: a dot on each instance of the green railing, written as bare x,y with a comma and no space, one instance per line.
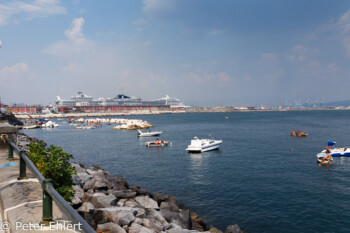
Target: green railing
49,192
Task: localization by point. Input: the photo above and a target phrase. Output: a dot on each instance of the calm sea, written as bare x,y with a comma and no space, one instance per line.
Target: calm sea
261,178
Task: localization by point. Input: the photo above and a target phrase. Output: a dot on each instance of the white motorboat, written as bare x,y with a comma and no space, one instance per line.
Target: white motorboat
148,134
49,124
202,145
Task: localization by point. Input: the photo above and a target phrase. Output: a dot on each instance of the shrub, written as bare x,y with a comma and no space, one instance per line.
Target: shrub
53,163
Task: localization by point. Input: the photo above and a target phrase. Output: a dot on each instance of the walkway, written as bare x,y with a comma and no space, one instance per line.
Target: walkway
21,201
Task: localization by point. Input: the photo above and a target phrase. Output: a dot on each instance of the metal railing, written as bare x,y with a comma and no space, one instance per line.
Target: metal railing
49,192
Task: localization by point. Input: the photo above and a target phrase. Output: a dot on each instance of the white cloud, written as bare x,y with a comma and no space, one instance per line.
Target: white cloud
76,44
16,11
141,24
72,68
13,70
9,75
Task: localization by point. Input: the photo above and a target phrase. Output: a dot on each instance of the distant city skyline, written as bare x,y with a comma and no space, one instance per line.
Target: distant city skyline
204,52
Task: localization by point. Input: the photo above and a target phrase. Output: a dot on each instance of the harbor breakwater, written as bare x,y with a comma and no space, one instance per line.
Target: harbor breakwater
109,204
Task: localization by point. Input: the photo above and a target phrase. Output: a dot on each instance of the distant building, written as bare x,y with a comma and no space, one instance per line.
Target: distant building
25,109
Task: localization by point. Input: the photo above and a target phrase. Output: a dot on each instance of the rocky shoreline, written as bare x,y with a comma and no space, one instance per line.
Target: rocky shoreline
109,204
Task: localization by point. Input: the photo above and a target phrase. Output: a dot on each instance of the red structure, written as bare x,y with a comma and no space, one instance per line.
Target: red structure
25,109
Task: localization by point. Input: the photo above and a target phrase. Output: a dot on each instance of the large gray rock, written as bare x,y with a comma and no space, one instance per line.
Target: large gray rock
170,206
86,207
110,228
76,180
136,228
78,191
132,204
152,213
96,183
147,202
104,215
140,191
78,168
122,194
160,198
83,177
101,200
152,224
233,229
123,217
183,218
117,182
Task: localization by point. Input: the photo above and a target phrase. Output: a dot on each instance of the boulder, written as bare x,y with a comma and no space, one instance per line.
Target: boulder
233,229
78,191
104,215
137,228
147,202
84,177
132,203
152,224
117,182
160,198
86,207
182,218
101,200
197,220
96,183
170,206
124,217
78,168
213,229
152,213
121,202
196,226
76,180
122,194
110,228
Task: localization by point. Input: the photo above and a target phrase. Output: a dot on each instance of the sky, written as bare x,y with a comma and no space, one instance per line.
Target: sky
204,52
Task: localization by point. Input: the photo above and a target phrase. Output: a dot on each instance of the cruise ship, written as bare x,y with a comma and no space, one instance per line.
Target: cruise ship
121,102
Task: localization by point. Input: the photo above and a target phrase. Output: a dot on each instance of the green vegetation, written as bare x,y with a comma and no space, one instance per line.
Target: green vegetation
53,163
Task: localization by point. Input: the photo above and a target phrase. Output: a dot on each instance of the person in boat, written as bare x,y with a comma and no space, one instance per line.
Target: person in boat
328,158
157,141
293,133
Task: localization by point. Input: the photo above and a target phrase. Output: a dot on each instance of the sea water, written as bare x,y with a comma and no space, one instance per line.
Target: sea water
261,178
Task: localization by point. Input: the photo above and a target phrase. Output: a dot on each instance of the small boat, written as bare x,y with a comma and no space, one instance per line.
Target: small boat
30,126
49,124
148,134
321,158
202,145
299,133
154,143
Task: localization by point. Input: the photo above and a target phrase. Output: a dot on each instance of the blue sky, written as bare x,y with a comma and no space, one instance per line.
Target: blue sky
205,52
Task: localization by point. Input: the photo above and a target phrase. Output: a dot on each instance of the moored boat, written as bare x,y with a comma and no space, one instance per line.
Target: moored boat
155,143
324,159
49,124
148,134
202,145
336,152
